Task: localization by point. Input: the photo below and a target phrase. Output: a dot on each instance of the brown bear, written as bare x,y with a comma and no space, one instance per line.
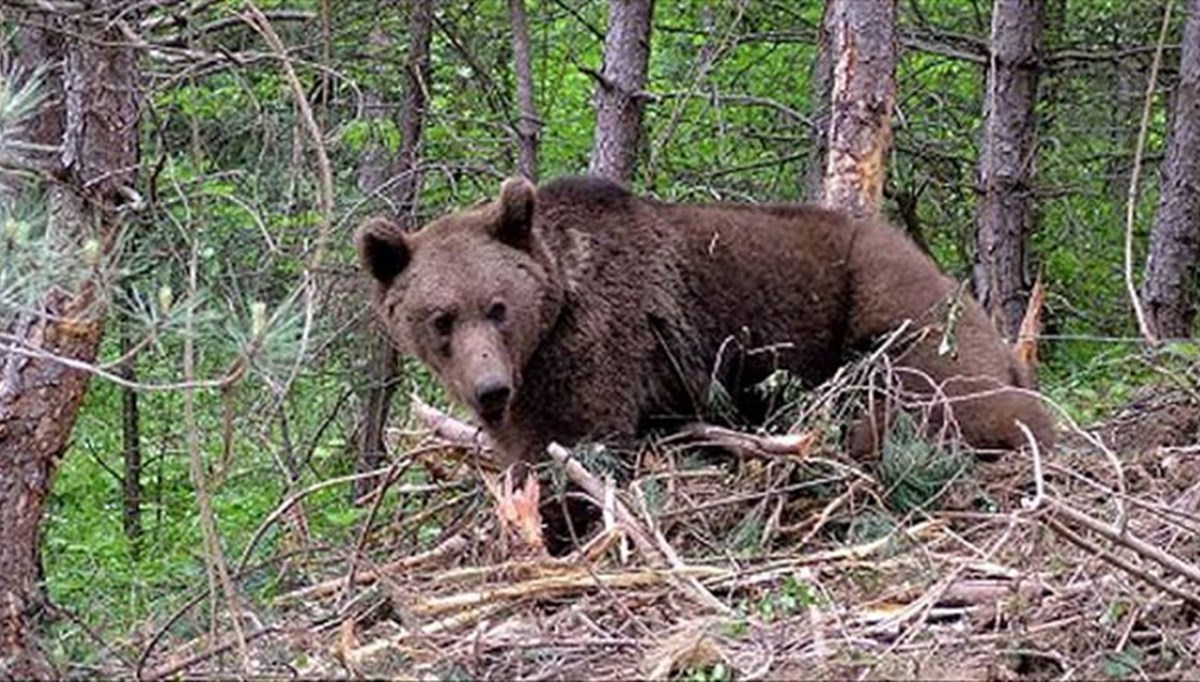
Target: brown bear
579,311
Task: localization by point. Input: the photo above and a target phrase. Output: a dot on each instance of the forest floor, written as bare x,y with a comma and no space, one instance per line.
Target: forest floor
768,557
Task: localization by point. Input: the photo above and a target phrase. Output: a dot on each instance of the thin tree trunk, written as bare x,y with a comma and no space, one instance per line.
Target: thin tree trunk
619,91
374,163
93,113
863,42
383,373
410,118
820,90
402,191
1006,162
131,494
1129,91
1169,288
1126,82
528,124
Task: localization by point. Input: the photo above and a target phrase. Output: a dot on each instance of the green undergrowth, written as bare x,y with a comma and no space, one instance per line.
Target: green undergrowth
111,587
1089,380
92,570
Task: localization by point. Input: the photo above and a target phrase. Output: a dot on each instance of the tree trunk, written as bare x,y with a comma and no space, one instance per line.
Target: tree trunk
863,42
374,163
402,192
1128,95
131,494
820,90
619,92
383,374
410,118
528,124
1006,162
93,114
1169,289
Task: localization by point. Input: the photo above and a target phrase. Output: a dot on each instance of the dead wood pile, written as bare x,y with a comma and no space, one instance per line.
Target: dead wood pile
752,557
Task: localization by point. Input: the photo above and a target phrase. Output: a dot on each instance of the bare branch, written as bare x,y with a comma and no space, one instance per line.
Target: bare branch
1148,332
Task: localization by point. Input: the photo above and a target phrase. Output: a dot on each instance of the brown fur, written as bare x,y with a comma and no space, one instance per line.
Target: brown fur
578,310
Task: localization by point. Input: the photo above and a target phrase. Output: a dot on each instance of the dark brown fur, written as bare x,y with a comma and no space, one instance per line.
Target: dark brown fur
578,310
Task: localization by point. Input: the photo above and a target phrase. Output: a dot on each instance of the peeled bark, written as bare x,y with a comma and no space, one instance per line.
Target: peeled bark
1006,163
95,120
402,190
862,37
528,124
619,93
1169,288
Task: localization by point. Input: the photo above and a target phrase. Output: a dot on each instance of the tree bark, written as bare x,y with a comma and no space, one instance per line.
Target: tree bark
375,161
93,114
410,118
383,373
528,124
1128,95
1006,163
863,43
820,90
402,191
131,436
1169,288
619,92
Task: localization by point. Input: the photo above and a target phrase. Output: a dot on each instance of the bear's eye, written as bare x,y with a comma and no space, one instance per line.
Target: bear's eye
497,312
443,323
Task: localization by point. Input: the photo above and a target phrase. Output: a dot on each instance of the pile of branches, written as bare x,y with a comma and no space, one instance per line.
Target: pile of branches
722,554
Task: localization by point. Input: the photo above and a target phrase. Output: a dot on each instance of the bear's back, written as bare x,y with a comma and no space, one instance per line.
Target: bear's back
771,276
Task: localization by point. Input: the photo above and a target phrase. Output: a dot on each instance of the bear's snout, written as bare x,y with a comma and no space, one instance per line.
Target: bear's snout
491,398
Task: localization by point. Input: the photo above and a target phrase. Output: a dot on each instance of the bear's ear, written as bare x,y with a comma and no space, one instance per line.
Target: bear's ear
382,249
516,212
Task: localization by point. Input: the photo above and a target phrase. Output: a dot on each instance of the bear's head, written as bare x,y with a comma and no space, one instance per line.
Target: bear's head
471,295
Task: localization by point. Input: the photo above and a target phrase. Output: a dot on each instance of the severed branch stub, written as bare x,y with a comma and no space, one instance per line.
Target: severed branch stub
449,428
457,432
518,514
652,546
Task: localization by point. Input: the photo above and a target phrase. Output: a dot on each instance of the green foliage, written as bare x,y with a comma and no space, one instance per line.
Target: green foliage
789,599
93,570
35,256
653,495
599,458
747,536
363,134
717,672
1123,664
868,527
782,392
914,469
20,101
35,252
719,405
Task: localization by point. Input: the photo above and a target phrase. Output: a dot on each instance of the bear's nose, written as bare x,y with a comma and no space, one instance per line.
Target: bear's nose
492,395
